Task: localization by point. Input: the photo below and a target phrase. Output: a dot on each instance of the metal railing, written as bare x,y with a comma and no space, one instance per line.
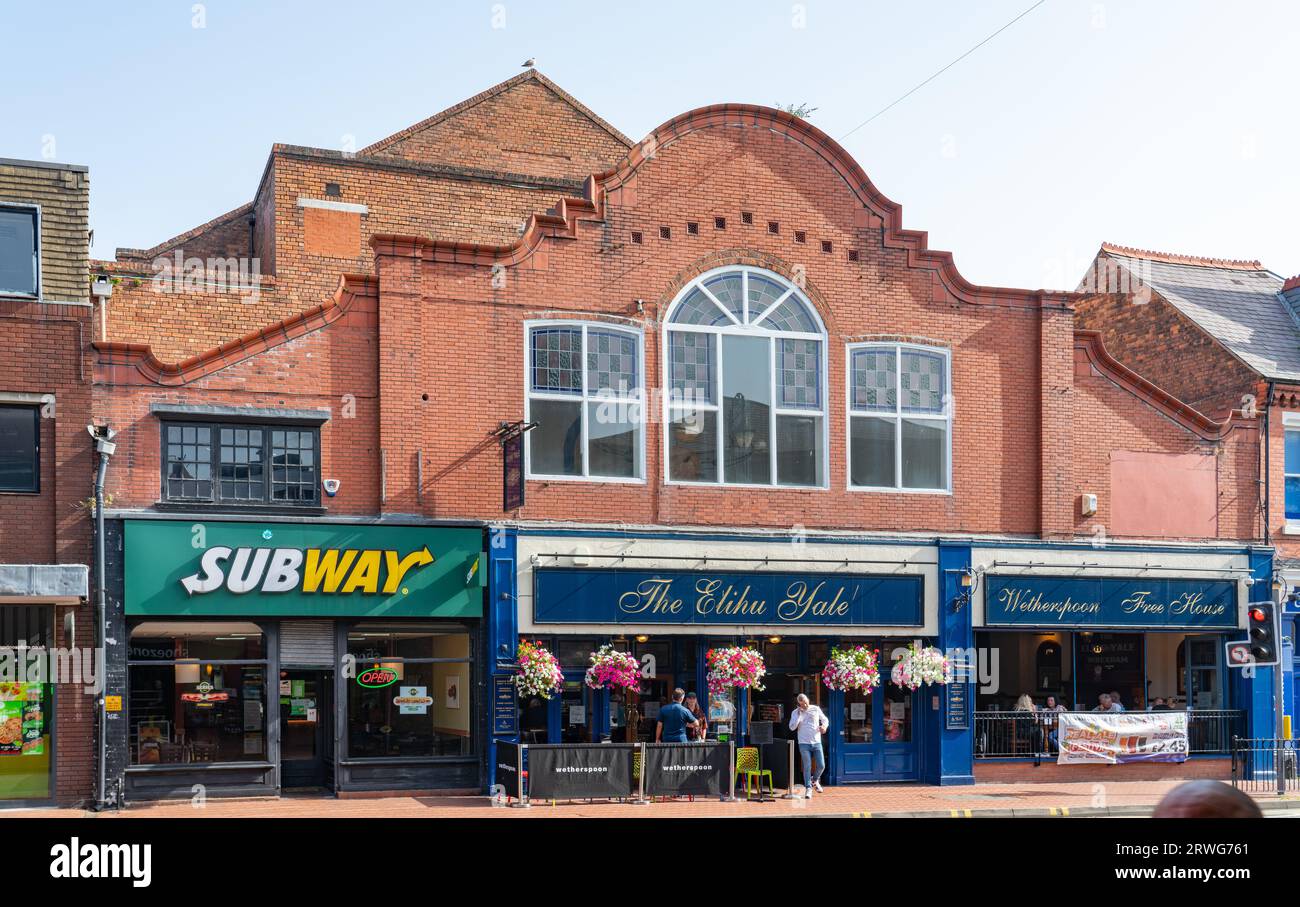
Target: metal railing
1002,735
1262,764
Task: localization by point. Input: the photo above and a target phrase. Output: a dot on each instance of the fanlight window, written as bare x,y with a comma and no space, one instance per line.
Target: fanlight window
746,367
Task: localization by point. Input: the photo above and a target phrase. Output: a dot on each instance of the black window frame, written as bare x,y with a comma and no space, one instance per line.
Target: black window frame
35,212
35,486
215,497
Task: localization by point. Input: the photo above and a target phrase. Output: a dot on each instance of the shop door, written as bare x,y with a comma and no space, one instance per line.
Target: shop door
306,711
875,735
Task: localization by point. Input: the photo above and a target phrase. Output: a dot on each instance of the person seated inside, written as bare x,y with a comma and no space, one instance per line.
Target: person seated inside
1107,703
1118,703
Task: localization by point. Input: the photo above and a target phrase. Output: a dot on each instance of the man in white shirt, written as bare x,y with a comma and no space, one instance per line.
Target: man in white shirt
809,723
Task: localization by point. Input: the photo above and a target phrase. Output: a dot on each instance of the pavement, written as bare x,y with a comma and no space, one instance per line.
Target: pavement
883,801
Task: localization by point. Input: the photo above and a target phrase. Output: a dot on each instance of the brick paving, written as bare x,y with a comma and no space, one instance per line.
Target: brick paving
1076,799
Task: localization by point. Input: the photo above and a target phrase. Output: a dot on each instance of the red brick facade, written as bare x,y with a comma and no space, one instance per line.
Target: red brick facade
1151,336
431,348
47,359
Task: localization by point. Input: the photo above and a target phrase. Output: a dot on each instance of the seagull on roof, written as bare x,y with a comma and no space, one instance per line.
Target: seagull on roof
529,63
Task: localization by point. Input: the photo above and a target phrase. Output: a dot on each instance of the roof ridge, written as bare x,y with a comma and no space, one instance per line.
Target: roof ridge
1177,258
151,252
529,75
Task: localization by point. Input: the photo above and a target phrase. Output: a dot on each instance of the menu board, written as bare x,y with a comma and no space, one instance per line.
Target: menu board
505,713
958,715
22,719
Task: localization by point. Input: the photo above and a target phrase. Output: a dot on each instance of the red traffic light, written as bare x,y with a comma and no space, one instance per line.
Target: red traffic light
1259,615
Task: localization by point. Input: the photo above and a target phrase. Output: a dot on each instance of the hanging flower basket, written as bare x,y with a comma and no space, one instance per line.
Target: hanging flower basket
735,666
539,671
921,665
613,669
857,668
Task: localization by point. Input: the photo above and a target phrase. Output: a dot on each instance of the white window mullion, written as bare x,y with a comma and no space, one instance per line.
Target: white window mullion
721,428
771,410
744,295
726,311
582,404
898,417
771,308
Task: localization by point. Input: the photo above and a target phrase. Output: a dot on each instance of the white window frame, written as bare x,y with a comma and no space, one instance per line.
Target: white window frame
40,275
636,398
897,416
1290,424
750,329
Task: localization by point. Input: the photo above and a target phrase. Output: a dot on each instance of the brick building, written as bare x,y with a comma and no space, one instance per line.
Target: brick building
725,397
46,476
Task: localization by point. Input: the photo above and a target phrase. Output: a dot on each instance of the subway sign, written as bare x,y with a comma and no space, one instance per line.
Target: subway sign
325,571
300,570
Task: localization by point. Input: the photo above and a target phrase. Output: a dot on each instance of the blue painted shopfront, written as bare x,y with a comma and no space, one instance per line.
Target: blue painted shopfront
673,616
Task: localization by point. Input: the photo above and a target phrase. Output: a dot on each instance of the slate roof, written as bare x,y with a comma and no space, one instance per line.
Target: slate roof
1239,303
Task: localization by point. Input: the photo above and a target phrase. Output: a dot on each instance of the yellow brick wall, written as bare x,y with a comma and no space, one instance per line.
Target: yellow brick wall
64,198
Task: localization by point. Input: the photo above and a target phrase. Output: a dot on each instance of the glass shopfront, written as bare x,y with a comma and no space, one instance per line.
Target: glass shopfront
282,656
197,692
872,736
1120,644
26,708
427,708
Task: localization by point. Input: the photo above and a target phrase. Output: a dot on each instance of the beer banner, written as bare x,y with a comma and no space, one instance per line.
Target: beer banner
680,769
577,771
1087,738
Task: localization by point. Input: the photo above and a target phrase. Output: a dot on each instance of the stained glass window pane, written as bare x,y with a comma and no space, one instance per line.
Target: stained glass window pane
557,360
923,381
791,315
691,367
798,369
874,380
611,362
727,290
762,293
697,308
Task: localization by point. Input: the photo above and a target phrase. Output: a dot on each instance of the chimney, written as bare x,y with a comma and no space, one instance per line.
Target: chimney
1291,293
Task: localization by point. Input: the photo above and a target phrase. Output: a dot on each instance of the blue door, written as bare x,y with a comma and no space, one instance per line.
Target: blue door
875,735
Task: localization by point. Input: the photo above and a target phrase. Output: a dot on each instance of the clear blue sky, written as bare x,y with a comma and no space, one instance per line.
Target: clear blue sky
1165,125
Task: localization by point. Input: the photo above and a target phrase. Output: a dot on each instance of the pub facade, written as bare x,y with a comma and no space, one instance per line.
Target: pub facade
711,392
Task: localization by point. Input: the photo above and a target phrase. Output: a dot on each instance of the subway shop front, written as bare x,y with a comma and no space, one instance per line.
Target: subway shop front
259,657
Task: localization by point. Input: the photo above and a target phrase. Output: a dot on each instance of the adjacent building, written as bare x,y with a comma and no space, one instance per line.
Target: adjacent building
47,747
1224,337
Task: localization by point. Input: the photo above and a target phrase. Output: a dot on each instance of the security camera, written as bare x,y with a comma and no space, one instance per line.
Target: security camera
103,436
331,486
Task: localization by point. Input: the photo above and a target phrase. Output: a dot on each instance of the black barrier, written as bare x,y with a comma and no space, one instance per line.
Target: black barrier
578,771
776,758
687,769
506,775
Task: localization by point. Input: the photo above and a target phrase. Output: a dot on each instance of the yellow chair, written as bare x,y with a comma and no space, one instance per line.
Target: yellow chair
747,765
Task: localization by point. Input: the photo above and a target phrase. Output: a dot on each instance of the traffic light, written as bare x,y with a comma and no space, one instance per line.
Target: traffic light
1263,632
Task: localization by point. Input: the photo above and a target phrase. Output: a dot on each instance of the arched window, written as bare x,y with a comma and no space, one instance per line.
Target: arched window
584,394
1047,666
746,373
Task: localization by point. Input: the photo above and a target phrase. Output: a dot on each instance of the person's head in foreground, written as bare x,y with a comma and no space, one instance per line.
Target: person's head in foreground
679,694
802,700
1206,800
